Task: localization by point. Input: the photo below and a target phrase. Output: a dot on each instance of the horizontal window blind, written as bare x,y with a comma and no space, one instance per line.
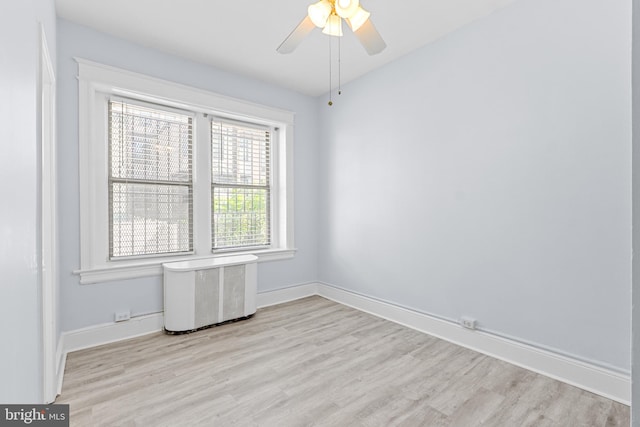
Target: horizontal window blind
241,185
150,181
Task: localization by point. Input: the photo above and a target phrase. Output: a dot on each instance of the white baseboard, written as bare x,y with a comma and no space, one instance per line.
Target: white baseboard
61,362
596,379
280,296
111,332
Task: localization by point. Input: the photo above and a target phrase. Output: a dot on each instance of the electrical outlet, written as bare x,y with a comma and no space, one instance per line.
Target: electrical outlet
121,316
467,322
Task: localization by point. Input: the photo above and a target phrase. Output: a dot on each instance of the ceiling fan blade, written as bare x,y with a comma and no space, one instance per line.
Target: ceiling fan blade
297,35
370,38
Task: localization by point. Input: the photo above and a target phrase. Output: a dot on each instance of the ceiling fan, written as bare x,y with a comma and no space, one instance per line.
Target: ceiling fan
328,15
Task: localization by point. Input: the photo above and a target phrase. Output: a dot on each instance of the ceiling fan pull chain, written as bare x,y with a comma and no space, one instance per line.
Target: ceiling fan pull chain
339,66
330,85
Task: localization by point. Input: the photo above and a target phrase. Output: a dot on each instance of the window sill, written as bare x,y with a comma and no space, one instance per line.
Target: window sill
138,269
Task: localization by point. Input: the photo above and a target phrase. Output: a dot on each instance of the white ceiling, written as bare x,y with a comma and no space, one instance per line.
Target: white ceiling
241,36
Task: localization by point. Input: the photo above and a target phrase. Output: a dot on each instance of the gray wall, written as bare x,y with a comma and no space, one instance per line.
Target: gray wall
20,241
489,175
87,305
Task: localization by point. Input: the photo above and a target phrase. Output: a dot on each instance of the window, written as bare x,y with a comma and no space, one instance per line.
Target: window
169,172
240,185
150,181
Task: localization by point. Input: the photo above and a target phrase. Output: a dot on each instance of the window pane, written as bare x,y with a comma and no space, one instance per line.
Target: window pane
150,219
149,144
240,217
240,154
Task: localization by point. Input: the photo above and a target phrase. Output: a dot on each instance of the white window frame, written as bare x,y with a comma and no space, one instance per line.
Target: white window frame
97,82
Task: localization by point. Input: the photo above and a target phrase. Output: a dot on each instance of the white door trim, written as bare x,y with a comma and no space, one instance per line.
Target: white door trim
49,229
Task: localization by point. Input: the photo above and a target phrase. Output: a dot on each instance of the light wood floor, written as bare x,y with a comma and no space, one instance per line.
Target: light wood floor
315,362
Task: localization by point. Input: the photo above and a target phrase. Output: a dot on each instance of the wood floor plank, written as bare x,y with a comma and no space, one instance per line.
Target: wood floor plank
313,362
476,409
618,415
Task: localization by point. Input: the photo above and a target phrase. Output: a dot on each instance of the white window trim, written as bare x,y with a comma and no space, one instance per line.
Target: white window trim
95,80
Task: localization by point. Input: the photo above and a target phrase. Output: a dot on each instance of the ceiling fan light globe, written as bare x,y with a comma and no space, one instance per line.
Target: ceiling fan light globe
319,13
358,18
346,8
334,26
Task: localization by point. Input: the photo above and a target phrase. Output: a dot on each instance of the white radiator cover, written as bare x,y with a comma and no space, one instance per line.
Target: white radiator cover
207,292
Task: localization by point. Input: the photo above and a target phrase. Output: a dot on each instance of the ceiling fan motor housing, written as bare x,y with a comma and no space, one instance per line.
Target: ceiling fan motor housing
346,8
